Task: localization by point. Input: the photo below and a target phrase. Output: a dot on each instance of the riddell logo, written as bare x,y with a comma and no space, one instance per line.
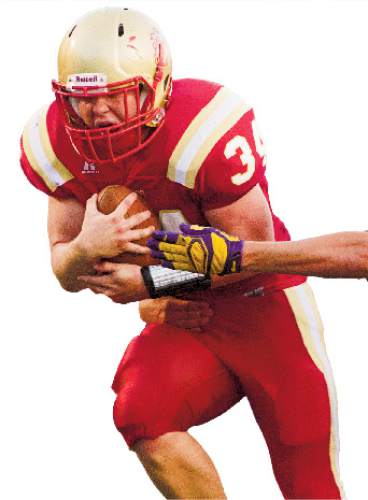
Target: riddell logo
89,168
86,79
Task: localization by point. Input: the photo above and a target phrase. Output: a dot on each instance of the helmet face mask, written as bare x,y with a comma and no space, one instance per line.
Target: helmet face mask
93,58
112,142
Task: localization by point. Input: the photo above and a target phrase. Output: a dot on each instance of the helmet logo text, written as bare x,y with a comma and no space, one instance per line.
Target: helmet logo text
86,79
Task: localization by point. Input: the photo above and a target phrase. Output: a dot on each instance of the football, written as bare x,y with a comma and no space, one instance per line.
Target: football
108,199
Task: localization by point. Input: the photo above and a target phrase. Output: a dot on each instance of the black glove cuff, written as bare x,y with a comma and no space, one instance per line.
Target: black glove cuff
161,281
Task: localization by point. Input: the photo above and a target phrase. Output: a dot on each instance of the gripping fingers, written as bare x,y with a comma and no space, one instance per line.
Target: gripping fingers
124,205
95,281
136,249
136,219
167,236
137,234
189,308
168,248
97,289
173,261
200,314
106,266
158,254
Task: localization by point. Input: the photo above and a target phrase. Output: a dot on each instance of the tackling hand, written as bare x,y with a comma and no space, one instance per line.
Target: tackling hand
197,249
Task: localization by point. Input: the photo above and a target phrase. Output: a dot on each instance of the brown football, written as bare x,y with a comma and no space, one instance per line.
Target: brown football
108,199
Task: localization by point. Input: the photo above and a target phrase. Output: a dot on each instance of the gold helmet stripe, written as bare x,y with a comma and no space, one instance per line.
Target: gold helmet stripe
40,154
211,123
302,302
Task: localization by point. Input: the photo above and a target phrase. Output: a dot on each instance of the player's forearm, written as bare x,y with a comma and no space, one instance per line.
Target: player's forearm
220,281
335,255
69,261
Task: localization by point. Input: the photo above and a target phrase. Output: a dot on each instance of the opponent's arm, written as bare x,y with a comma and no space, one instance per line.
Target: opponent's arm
248,218
339,255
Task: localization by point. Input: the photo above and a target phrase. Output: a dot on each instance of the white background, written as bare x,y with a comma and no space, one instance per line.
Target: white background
303,66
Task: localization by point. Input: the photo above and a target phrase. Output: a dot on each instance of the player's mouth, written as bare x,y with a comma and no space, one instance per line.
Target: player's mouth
104,123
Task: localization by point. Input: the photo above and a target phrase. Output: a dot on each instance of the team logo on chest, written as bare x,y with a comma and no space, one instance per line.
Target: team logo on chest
89,168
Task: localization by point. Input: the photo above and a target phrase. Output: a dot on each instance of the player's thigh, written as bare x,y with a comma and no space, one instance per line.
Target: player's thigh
168,380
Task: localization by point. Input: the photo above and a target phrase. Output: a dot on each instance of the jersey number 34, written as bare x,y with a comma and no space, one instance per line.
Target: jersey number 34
239,145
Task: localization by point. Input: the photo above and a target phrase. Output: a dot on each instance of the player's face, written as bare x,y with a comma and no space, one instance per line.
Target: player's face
107,110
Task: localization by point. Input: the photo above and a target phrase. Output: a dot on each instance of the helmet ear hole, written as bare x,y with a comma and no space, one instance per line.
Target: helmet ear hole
121,30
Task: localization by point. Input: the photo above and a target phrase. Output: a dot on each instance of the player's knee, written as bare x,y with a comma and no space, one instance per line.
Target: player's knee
128,418
303,409
154,452
138,418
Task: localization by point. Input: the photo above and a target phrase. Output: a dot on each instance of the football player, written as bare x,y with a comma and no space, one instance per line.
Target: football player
192,146
210,251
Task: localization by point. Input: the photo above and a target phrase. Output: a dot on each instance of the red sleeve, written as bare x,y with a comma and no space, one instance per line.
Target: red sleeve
233,167
39,160
32,176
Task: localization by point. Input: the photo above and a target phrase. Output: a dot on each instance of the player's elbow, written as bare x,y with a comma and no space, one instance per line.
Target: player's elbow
65,281
67,284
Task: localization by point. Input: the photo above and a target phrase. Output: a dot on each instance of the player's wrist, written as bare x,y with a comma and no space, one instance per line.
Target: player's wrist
251,254
84,250
142,292
256,256
160,281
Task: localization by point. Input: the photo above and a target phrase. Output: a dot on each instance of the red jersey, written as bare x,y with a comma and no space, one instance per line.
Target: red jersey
207,154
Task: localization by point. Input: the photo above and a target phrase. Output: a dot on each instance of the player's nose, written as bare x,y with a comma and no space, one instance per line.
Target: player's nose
99,105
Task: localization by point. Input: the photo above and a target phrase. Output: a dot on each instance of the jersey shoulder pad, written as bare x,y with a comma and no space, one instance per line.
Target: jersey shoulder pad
215,110
39,160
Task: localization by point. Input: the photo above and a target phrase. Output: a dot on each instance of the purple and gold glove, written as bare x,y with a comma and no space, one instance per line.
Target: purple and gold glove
197,249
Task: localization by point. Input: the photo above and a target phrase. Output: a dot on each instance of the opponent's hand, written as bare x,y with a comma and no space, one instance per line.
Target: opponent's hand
198,249
110,235
191,315
121,282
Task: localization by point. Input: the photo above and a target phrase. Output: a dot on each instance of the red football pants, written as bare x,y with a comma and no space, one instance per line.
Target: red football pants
269,349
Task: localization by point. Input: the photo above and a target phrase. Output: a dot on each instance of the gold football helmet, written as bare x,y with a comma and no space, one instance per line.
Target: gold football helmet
113,52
